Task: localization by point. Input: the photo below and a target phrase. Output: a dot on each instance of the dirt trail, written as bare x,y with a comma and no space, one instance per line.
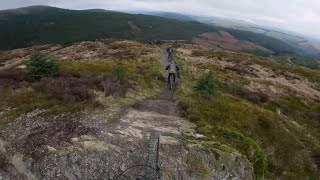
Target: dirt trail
111,148
160,115
102,146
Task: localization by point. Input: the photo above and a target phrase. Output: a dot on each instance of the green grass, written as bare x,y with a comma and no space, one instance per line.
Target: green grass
105,67
231,115
312,75
298,109
272,143
242,144
304,61
144,77
26,100
197,167
144,74
283,36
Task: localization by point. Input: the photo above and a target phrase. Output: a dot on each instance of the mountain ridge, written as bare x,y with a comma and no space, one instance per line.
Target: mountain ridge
43,25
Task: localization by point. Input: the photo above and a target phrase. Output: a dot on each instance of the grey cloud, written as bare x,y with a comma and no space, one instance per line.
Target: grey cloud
301,16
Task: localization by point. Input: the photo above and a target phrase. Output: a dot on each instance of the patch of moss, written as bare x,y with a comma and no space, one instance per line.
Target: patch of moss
210,143
246,146
105,67
232,141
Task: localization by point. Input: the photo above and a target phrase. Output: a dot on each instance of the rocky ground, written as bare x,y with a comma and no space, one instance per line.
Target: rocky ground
225,41
103,144
84,146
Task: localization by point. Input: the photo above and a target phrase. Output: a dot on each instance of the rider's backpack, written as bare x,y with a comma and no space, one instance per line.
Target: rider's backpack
173,67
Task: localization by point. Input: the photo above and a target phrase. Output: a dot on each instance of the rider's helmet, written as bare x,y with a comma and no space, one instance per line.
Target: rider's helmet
170,49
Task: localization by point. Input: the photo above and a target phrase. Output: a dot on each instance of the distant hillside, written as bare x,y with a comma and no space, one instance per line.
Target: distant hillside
223,40
42,25
97,10
170,15
6,14
303,44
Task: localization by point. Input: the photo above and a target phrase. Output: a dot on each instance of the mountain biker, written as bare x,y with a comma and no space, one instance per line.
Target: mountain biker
170,52
173,69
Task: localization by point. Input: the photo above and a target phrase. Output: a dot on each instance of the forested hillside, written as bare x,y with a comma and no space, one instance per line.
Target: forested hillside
42,25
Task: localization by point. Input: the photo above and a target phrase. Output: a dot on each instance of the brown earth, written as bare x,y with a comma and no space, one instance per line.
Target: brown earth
225,41
134,27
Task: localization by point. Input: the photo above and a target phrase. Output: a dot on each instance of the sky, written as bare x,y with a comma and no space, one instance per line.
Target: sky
301,16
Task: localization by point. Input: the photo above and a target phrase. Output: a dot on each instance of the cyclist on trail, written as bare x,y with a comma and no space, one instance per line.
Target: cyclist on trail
170,52
173,69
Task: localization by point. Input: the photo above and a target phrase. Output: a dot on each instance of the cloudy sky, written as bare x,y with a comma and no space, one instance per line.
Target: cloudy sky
302,16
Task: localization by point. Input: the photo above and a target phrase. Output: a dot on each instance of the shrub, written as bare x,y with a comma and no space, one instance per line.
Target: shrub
75,87
40,66
256,97
13,79
119,71
14,74
157,42
113,86
207,85
65,89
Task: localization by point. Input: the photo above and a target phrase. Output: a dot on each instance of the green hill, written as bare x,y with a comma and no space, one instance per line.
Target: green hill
61,26
170,15
42,25
303,44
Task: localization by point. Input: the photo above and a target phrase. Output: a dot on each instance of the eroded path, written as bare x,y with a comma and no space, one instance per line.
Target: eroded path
95,146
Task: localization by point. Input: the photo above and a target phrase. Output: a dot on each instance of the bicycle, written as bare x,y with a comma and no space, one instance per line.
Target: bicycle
171,81
170,56
151,170
153,154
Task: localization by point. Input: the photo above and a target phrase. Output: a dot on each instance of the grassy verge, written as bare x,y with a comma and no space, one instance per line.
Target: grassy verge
145,75
79,87
312,75
274,147
25,100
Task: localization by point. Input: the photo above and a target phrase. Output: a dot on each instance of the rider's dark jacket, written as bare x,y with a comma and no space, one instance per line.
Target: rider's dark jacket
170,50
172,67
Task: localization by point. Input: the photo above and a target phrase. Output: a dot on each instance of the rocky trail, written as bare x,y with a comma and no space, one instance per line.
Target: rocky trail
88,146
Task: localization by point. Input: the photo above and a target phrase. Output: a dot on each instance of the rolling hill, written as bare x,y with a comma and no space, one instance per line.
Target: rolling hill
169,15
310,47
232,114
307,52
42,25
